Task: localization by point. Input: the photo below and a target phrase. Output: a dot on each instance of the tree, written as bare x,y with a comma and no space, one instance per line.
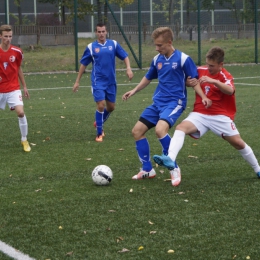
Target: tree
84,8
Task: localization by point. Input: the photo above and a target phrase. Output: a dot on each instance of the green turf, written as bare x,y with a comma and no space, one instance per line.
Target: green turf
51,207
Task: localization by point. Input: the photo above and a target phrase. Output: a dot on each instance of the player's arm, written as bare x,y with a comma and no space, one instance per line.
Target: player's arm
22,80
80,73
142,84
225,88
129,72
205,101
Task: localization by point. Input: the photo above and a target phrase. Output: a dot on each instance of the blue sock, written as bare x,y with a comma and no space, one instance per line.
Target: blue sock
143,150
106,115
99,122
165,142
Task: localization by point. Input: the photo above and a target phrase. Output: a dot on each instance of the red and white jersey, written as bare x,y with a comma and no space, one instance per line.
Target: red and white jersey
222,104
10,62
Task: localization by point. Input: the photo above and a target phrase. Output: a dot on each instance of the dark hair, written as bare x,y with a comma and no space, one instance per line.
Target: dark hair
216,54
100,25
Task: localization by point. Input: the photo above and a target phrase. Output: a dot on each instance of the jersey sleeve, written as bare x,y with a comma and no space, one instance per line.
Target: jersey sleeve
189,67
152,72
86,58
120,52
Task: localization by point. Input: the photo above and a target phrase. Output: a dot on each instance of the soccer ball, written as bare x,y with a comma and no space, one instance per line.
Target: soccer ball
102,175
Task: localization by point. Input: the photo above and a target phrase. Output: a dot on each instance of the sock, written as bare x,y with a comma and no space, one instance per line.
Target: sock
248,154
165,142
143,150
23,127
99,122
176,144
105,115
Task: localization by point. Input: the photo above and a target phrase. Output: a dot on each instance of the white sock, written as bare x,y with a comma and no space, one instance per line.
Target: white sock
23,127
248,154
176,144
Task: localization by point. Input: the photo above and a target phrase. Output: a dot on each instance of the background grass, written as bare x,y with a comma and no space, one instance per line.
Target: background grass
50,207
62,58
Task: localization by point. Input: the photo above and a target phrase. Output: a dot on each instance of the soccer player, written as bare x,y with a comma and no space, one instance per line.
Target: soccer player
171,67
10,74
102,54
218,85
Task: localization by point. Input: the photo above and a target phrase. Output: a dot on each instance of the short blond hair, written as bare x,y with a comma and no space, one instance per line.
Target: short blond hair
166,32
5,28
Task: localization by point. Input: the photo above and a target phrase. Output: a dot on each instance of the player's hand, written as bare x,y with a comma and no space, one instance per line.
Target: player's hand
26,93
128,94
206,102
205,79
129,73
75,87
191,82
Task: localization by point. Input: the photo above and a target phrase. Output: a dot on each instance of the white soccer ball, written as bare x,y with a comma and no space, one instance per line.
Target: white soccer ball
102,175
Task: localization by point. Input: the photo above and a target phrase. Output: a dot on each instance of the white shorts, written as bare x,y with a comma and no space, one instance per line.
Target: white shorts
13,99
219,124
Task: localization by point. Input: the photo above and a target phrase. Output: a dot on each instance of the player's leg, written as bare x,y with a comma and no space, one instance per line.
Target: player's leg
245,150
99,119
110,101
143,151
15,100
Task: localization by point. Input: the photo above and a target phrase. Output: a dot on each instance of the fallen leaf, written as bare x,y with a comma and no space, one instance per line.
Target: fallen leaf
32,144
161,171
248,257
111,210
38,132
120,238
186,200
88,159
60,227
124,250
167,179
195,144
150,222
49,190
69,253
170,251
47,138
62,117
131,190
152,232
120,149
181,192
140,248
192,156
41,178
234,256
38,190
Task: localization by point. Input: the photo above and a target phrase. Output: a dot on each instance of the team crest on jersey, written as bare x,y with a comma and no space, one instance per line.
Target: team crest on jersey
207,89
5,65
110,48
159,65
174,65
12,58
97,50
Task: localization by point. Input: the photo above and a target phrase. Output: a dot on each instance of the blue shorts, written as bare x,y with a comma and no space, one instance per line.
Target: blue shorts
169,113
107,92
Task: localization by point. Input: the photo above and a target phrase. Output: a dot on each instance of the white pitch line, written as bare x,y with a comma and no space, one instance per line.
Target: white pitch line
247,84
11,252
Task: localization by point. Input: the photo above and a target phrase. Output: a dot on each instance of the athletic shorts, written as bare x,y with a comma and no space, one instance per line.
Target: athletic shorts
153,114
13,99
105,93
219,124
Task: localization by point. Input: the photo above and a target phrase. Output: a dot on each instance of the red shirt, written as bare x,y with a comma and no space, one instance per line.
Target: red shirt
10,61
222,104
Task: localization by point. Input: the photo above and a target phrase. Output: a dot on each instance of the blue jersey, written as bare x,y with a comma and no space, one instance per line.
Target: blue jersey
103,59
172,73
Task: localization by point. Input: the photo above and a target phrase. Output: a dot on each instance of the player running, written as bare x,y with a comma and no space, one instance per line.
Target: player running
102,54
